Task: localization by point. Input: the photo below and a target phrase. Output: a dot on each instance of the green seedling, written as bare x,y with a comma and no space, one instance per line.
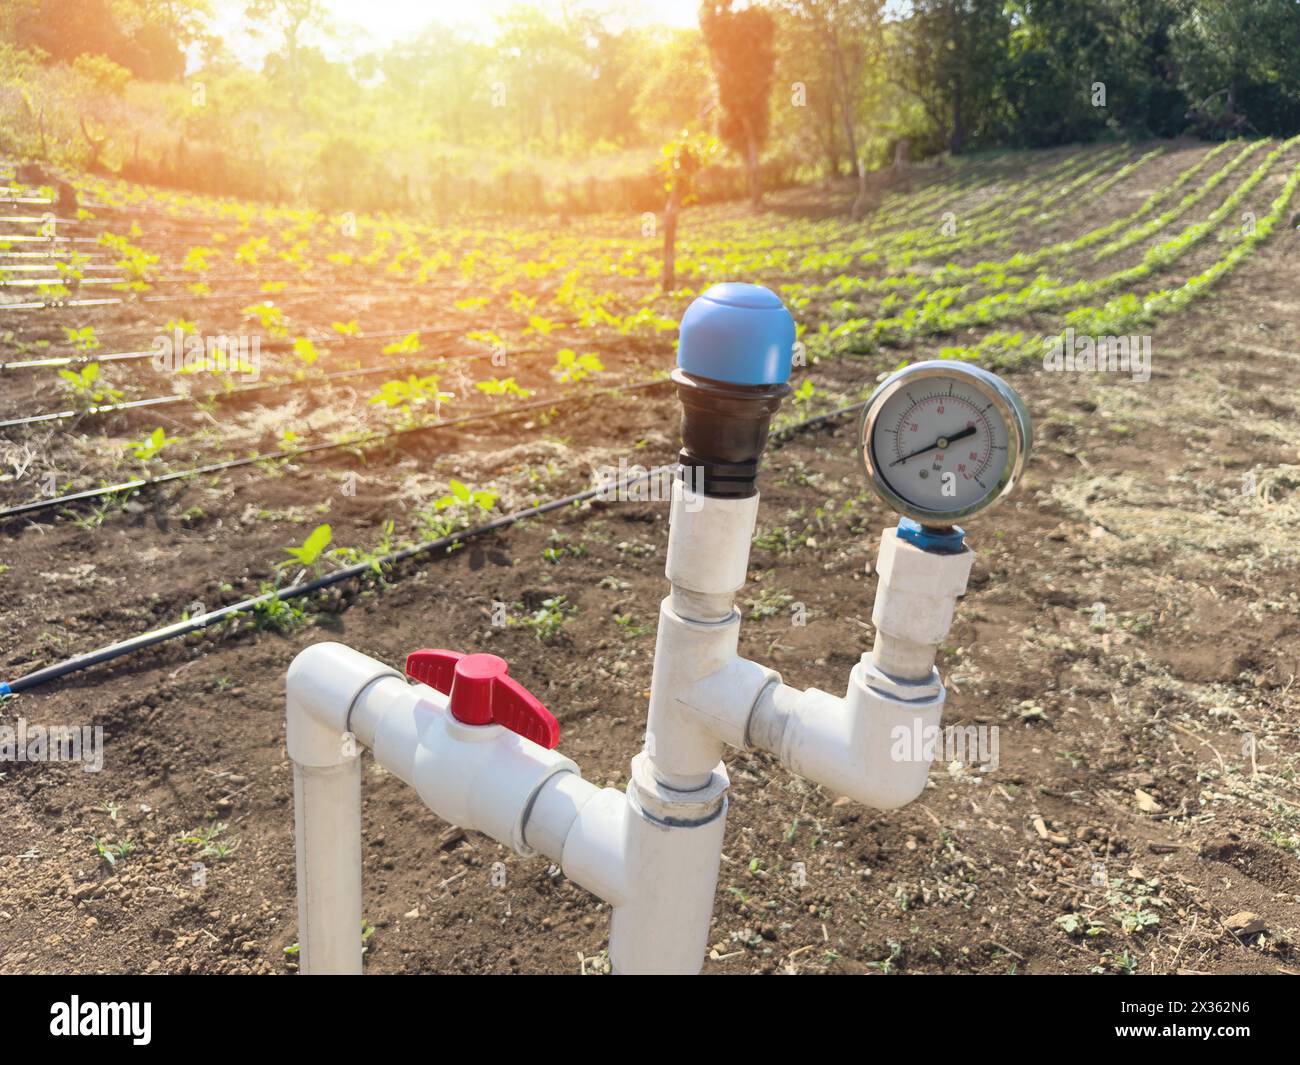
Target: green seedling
112,853
305,351
411,394
208,841
312,548
147,448
408,345
269,316
547,621
506,386
455,511
83,340
86,386
276,614
570,367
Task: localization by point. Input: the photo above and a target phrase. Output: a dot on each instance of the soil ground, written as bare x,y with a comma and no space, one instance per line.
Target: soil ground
1132,628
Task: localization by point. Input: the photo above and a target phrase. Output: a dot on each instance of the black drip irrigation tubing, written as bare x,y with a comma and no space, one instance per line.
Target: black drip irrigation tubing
213,617
273,344
176,297
36,505
244,390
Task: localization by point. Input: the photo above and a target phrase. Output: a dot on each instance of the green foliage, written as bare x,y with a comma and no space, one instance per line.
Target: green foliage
570,367
506,386
305,351
269,316
460,509
312,547
408,345
87,388
277,614
147,448
547,621
112,853
208,842
412,394
83,340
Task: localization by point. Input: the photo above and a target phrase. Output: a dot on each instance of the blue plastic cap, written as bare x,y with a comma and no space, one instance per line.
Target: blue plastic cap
740,334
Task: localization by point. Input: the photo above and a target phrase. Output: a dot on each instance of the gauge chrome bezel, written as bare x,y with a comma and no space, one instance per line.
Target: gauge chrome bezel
1004,399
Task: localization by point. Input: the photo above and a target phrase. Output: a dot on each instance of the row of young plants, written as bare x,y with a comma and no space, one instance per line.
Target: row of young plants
898,211
957,282
1124,313
415,404
407,397
996,275
594,307
702,259
941,313
591,308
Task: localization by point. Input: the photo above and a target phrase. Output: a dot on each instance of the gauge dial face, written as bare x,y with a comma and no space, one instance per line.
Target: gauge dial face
942,441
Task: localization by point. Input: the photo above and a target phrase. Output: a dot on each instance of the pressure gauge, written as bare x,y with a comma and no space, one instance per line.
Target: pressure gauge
943,440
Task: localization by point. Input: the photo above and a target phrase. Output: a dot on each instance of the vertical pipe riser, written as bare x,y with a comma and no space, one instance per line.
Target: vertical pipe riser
674,873
327,836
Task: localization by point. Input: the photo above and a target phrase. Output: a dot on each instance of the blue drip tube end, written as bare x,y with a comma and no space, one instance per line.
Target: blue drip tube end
738,334
939,542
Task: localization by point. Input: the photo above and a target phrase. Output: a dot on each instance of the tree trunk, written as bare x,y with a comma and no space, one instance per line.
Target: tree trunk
751,164
850,137
669,281
957,136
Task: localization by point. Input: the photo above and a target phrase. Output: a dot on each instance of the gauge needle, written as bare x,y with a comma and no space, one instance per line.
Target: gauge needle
941,443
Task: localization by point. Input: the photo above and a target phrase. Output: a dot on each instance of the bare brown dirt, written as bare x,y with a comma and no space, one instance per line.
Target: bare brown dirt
1132,629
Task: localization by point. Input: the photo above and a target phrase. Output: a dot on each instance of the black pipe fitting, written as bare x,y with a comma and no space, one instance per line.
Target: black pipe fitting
724,431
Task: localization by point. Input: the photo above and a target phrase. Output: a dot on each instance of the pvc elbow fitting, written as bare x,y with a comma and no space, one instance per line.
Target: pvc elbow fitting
324,682
873,747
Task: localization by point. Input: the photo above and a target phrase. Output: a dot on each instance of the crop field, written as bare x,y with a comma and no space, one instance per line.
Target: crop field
398,445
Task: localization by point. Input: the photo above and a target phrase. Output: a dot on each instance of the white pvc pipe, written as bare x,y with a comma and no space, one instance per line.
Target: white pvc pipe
870,746
323,682
699,627
653,852
327,838
671,855
480,777
915,600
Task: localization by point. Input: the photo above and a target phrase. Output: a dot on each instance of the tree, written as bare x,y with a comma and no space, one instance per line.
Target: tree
952,56
848,32
291,18
740,43
146,37
1240,63
677,85
681,160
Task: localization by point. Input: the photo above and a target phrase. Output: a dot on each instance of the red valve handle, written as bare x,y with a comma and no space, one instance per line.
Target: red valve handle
481,692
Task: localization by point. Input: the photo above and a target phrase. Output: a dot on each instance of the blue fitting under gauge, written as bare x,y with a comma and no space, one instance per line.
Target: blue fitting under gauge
733,362
940,541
